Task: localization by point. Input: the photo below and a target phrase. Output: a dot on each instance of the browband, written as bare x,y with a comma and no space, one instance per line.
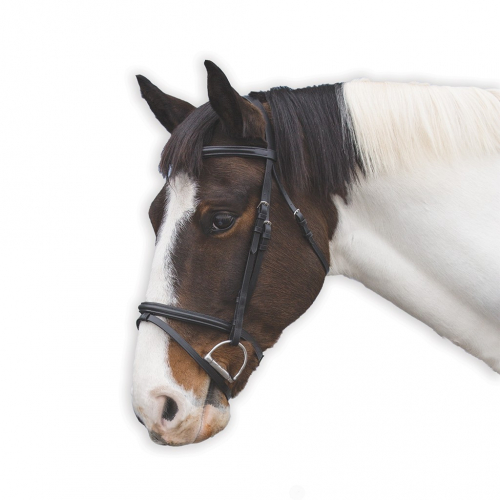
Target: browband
245,151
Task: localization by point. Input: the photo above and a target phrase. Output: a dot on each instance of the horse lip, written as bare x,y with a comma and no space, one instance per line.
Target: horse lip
157,439
213,420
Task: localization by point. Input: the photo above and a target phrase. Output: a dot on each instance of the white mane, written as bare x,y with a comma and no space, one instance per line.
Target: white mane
404,124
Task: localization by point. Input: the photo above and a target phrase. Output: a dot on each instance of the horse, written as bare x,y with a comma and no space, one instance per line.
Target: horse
399,183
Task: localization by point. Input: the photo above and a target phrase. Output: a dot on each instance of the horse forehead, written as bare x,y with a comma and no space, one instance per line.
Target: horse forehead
221,178
181,203
181,191
229,174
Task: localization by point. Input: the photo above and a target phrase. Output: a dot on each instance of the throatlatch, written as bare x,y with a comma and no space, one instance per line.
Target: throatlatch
150,311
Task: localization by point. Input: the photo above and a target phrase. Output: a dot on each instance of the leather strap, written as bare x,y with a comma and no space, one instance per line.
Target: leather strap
262,229
211,372
198,319
261,235
245,151
301,221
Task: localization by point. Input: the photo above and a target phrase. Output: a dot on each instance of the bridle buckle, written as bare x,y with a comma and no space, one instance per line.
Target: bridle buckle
219,368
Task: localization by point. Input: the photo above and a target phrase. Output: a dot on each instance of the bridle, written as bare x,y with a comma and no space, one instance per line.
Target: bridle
150,311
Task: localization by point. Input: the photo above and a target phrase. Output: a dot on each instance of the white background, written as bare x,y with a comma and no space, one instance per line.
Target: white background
357,401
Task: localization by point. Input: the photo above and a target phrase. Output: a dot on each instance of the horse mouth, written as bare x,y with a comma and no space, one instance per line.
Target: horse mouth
157,439
215,414
213,420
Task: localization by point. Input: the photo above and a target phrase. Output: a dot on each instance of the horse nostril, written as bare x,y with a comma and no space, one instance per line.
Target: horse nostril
139,418
169,409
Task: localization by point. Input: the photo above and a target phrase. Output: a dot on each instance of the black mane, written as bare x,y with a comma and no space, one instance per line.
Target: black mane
316,149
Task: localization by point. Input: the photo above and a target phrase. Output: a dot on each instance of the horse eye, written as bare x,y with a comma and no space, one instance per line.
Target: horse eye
222,221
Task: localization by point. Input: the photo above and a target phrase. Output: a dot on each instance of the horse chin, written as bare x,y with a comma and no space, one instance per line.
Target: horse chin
213,420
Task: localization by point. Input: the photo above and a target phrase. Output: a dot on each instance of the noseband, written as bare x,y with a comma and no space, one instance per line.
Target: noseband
150,311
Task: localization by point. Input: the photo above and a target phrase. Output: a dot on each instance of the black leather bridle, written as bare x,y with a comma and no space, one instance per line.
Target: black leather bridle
150,311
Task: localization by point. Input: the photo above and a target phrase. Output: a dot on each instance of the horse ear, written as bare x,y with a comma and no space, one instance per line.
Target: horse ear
169,110
241,119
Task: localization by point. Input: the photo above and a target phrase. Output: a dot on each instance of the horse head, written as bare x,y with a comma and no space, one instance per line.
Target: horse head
204,221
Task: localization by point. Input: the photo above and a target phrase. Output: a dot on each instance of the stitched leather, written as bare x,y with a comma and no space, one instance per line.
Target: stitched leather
199,319
213,374
301,220
245,151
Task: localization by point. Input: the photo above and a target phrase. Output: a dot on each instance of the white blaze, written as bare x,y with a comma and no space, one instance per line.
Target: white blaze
152,375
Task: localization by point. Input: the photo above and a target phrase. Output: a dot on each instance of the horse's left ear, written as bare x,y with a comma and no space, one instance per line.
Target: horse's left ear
241,119
169,110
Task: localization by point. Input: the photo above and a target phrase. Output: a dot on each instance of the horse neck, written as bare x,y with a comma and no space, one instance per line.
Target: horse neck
427,240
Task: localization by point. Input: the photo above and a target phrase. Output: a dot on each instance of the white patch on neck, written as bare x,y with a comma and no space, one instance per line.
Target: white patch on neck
428,241
152,375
